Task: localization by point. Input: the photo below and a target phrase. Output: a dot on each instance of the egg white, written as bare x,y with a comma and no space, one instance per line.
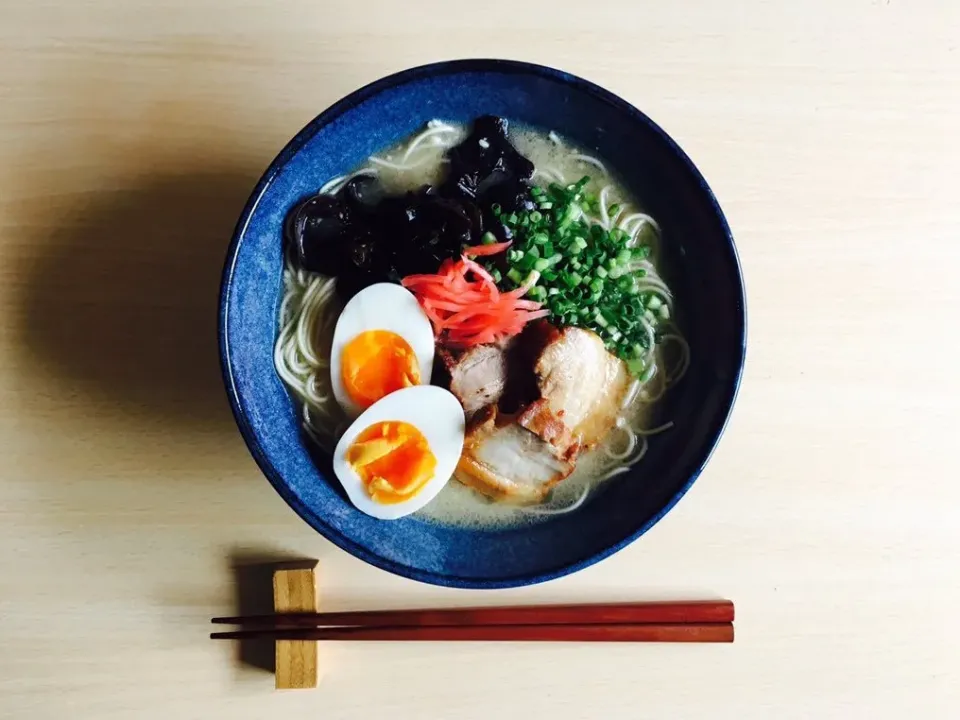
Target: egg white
437,414
383,306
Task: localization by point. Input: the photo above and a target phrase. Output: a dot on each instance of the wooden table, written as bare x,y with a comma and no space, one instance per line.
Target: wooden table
130,135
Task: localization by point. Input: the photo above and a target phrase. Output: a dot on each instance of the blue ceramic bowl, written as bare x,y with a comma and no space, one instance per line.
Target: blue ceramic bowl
701,264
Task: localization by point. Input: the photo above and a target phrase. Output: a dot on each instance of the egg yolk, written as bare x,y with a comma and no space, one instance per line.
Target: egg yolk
376,363
393,459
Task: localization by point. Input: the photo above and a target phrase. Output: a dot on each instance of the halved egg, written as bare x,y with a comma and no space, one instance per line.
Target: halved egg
401,451
383,342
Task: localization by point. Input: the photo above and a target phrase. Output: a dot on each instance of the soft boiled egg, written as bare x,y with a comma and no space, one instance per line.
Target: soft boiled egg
383,342
401,451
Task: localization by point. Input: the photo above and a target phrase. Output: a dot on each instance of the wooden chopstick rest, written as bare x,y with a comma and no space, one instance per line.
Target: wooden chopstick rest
295,591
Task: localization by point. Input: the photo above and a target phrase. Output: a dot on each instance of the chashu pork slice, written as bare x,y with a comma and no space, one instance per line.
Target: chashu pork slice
504,460
582,388
477,376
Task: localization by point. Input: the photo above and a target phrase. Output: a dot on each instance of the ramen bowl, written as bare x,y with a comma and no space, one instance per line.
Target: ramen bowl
702,268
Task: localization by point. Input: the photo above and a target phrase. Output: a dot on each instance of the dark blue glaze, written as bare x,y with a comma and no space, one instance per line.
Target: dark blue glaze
701,264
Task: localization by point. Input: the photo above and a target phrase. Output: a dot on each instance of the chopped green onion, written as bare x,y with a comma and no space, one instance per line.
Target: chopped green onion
488,238
582,273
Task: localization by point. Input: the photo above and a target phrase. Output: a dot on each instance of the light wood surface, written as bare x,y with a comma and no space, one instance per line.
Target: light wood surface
295,589
130,135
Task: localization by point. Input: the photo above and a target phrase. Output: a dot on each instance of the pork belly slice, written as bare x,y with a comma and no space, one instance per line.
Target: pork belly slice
477,376
505,460
539,418
582,387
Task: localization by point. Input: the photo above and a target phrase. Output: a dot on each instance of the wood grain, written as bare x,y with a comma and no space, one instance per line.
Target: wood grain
295,590
131,133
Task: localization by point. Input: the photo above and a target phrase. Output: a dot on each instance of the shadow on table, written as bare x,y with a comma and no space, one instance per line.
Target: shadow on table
121,300
253,586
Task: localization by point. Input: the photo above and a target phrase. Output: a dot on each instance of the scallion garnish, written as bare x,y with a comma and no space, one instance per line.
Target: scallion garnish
583,274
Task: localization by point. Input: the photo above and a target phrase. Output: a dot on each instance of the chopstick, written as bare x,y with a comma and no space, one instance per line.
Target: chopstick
652,632
662,613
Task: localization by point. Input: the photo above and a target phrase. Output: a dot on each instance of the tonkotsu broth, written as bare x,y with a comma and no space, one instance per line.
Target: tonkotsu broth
457,504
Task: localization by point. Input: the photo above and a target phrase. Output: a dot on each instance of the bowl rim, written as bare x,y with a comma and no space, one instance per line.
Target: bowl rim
450,67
